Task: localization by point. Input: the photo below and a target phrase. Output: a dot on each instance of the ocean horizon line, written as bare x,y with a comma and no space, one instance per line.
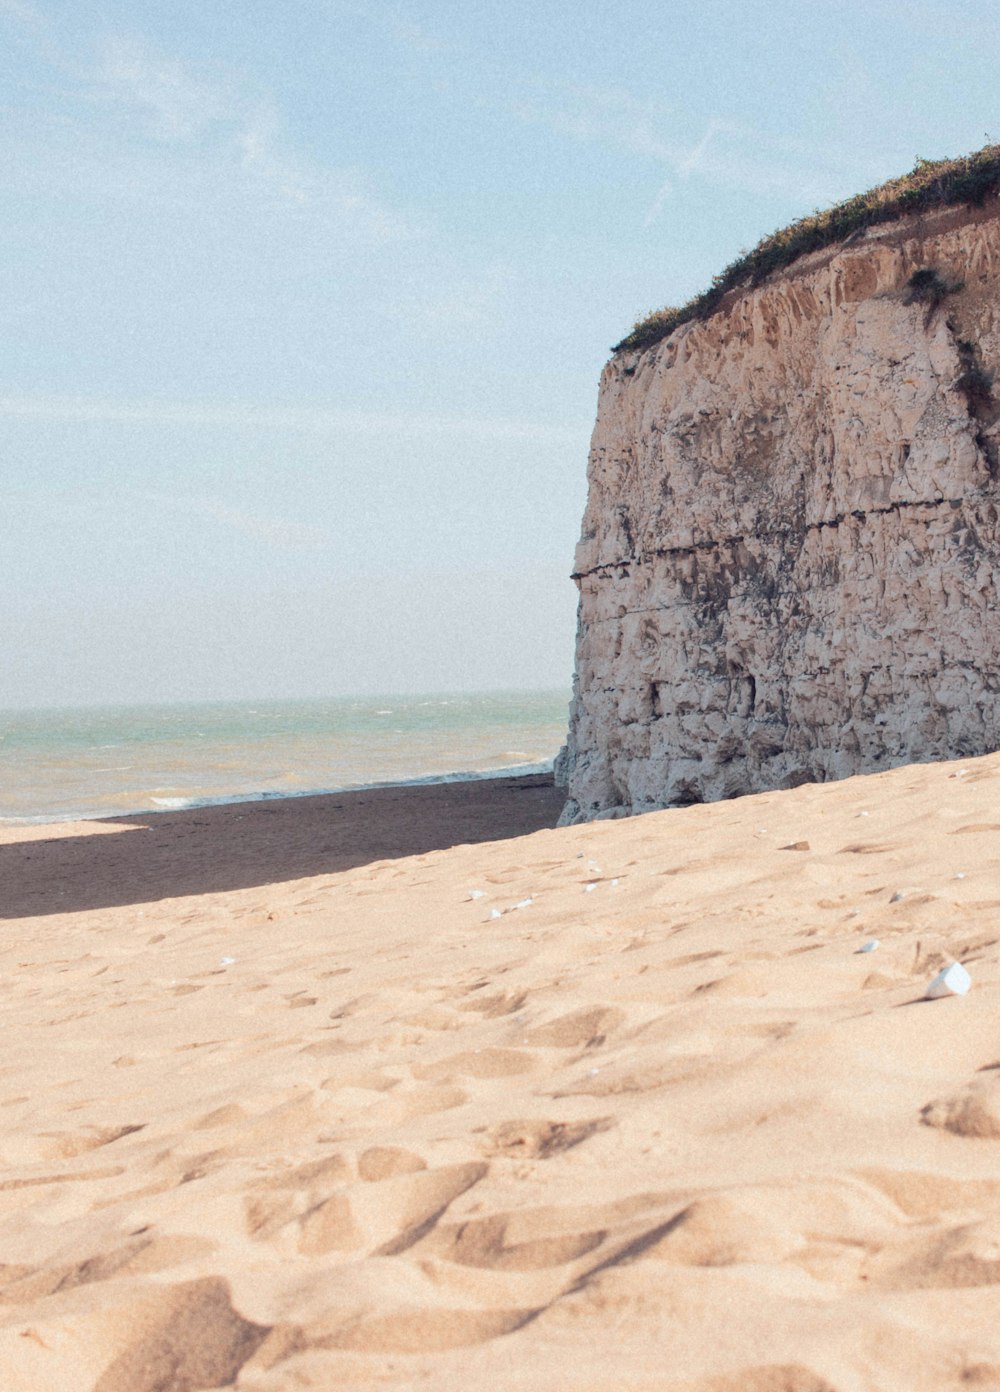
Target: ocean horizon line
191,702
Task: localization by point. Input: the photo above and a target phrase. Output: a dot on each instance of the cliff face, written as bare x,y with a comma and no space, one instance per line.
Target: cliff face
788,565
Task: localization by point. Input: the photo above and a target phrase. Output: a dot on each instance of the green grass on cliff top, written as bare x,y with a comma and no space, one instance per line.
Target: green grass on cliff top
932,184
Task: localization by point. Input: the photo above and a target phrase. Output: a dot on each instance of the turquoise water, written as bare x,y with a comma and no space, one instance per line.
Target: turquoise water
99,762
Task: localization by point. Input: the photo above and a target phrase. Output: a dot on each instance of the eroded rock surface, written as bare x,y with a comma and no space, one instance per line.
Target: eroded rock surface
789,553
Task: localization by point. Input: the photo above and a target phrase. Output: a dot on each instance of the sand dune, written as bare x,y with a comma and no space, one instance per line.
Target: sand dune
637,1115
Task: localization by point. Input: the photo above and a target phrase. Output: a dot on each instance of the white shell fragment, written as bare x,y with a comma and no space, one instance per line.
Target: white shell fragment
870,946
953,981
477,893
521,904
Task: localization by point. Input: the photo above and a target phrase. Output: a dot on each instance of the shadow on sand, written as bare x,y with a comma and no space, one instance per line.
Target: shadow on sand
243,845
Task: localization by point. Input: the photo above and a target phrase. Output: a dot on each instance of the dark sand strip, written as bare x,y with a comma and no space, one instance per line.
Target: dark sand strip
167,855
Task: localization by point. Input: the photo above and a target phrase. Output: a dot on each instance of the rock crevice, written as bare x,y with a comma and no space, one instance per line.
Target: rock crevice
714,544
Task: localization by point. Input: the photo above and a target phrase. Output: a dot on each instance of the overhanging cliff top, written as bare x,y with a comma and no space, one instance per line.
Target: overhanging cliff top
931,184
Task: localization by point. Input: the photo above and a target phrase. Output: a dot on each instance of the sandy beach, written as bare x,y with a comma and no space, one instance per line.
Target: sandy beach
409,1089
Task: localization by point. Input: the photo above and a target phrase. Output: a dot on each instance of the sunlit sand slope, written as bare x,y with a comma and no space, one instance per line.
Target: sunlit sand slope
619,1106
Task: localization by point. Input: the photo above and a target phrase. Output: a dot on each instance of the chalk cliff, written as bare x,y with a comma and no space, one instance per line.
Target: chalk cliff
788,562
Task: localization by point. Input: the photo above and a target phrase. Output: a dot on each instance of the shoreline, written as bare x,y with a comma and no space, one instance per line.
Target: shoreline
90,863
182,804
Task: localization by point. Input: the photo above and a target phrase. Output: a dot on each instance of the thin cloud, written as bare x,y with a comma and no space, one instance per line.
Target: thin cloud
685,168
305,419
726,154
656,207
694,158
178,108
173,111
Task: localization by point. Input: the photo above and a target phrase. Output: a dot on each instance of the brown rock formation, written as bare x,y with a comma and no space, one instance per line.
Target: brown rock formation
788,563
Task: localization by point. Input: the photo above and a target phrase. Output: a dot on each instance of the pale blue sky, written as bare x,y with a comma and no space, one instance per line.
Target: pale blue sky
304,305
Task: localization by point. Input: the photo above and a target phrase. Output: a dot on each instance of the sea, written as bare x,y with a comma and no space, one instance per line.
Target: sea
61,765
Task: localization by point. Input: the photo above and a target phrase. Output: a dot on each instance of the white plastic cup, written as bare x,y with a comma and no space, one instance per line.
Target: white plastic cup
952,981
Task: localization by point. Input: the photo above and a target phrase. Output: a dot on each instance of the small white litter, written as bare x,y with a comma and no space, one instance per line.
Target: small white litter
589,888
614,884
496,913
870,946
227,961
477,893
524,903
960,875
953,981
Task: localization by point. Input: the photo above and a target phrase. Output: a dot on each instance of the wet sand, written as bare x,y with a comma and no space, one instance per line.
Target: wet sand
62,868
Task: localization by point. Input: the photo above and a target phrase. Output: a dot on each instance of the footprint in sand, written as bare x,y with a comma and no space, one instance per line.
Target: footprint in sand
386,1217
142,1254
962,1257
537,1140
277,1202
488,1243
581,1028
184,1336
973,1112
66,1145
492,1007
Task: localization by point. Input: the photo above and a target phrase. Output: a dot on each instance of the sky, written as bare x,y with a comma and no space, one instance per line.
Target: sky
303,306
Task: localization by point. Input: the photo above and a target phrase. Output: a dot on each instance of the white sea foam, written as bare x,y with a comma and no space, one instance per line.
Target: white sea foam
425,780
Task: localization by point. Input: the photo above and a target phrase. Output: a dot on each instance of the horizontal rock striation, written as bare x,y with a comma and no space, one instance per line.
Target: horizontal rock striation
788,564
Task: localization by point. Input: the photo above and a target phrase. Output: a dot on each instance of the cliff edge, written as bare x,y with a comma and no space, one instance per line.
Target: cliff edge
788,561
